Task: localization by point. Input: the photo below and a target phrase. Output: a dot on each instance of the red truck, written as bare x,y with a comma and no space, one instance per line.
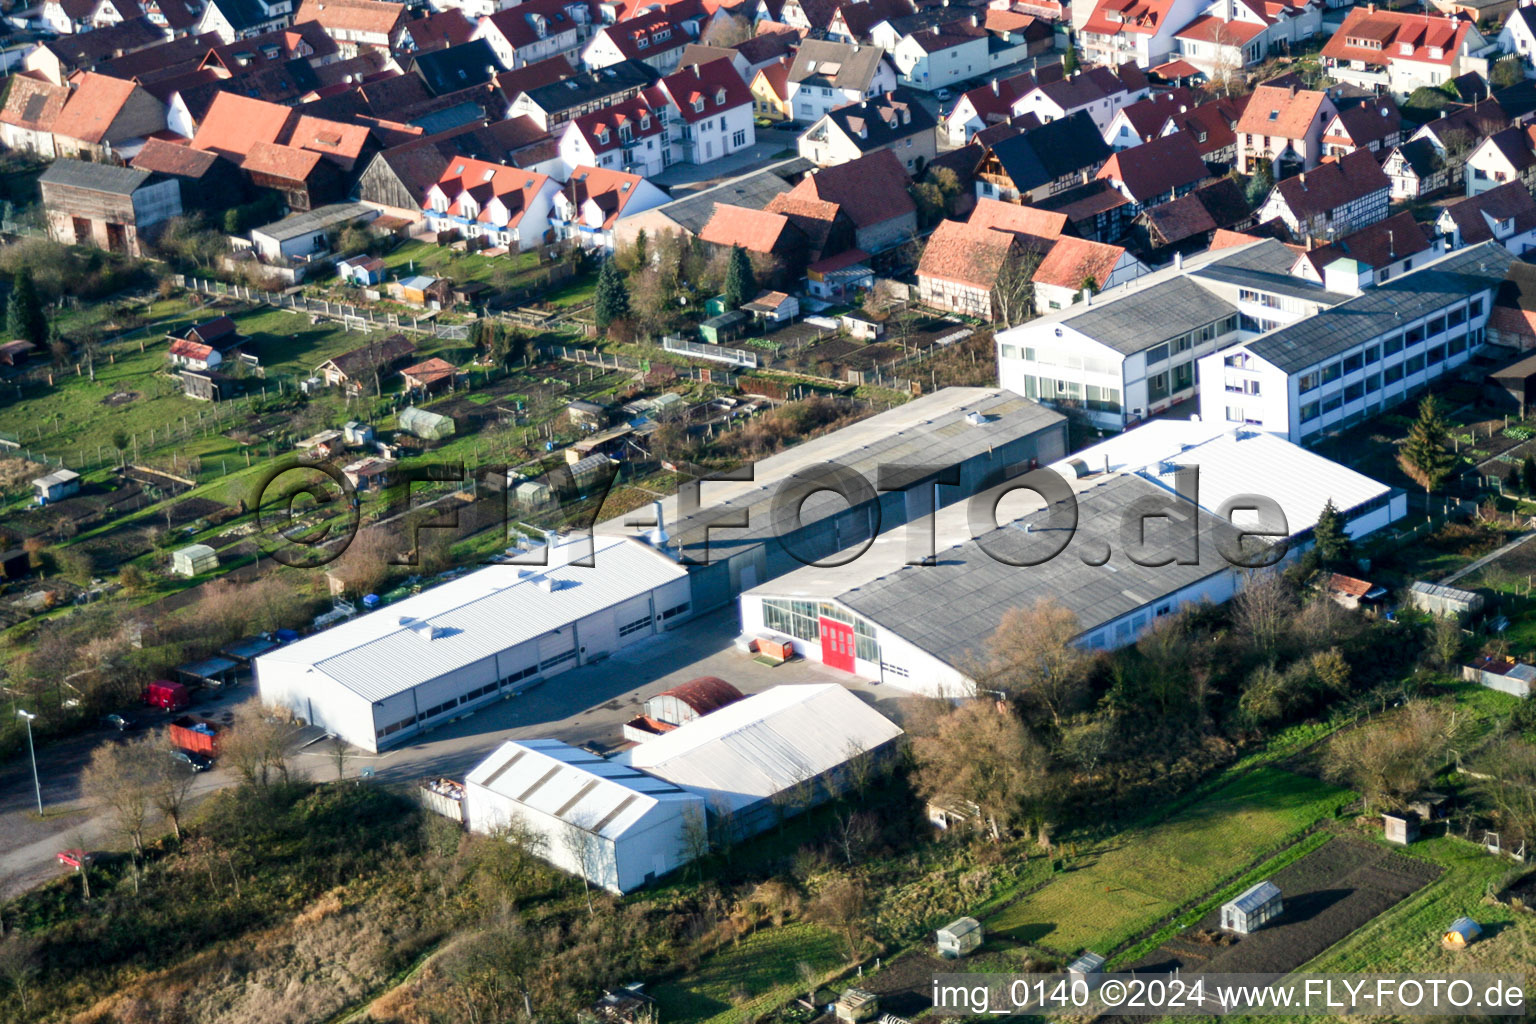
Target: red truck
165,694
197,735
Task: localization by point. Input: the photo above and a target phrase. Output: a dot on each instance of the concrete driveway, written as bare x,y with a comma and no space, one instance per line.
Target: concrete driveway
680,179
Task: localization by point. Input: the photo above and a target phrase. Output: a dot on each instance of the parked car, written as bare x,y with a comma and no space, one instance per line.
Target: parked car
76,858
198,762
942,94
122,723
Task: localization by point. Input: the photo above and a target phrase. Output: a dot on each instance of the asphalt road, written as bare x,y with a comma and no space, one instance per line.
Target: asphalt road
588,704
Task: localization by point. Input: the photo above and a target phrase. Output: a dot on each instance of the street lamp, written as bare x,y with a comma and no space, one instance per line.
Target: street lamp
38,786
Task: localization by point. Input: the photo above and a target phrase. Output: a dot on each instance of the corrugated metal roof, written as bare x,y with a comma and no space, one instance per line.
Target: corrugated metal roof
93,176
573,785
471,618
766,743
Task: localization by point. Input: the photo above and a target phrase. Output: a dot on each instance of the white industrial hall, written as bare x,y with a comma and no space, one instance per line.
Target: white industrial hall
381,678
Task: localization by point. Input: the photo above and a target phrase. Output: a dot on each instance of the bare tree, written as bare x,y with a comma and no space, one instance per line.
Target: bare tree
1263,610
844,905
1227,63
585,849
696,842
118,779
983,753
1013,295
18,966
1033,656
170,785
854,832
1510,786
256,745
859,767
1394,757
340,753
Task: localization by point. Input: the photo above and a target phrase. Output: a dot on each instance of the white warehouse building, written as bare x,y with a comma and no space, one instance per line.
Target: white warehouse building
617,827
383,678
924,627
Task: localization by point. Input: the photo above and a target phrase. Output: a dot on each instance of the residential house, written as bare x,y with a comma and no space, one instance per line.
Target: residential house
895,121
1457,131
769,46
235,123
1156,172
842,278
1143,32
992,103
945,48
1506,214
240,19
653,39
1284,126
56,59
397,179
710,112
366,365
773,307
176,18
856,22
771,92
107,207
537,30
1234,34
826,75
1043,161
1372,255
1098,92
1400,51
452,69
348,146
64,17
1416,168
961,268
362,270
1356,358
1143,120
106,119
205,345
553,104
1213,126
1373,124
1190,223
1074,266
1331,200
704,53
302,236
827,229
1518,37
872,192
356,25
424,31
507,206
589,206
433,374
628,136
1015,36
1037,229
1504,156
32,106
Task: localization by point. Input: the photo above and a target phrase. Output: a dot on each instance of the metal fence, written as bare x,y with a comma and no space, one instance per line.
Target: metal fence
679,345
360,318
615,361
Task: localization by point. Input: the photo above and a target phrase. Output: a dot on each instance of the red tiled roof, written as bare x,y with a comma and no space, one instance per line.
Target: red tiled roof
1378,37
1348,585
610,190
1210,29
430,371
994,101
376,17
33,103
1332,184
1174,70
1286,113
184,349
635,114
772,41
871,189
173,158
329,138
1144,17
234,123
289,163
94,105
484,181
439,29
966,254
1146,117
1227,239
1072,261
753,230
519,25
776,77
1211,125
655,28
1035,226
1376,246
1153,168
716,84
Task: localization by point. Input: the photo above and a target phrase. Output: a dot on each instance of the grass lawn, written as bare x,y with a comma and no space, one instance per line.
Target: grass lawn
762,969
442,261
1140,876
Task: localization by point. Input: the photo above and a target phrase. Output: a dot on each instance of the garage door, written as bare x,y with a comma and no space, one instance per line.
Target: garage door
557,649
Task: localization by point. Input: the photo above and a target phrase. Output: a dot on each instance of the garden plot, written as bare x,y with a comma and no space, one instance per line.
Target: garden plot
1140,877
1328,894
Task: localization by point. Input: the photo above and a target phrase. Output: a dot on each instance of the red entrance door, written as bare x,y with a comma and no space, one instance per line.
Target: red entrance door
837,644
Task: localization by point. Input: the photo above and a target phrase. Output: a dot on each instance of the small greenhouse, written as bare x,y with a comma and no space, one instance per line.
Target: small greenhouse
194,560
1253,908
959,937
429,426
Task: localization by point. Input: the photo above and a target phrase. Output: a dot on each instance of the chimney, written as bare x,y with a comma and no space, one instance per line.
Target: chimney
695,70
1293,90
1178,261
994,87
1302,177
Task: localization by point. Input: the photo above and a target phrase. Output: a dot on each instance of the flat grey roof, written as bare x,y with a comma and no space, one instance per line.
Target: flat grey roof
949,609
755,191
1378,310
318,219
1140,319
929,431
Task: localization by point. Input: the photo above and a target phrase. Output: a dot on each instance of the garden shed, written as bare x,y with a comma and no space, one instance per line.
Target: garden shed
1444,601
720,329
1086,967
194,560
959,937
1463,932
423,424
1255,907
856,1005
15,564
1400,827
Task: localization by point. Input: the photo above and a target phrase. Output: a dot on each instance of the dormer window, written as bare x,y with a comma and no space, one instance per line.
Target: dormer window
719,97
663,35
645,122
625,134
698,105
642,43
602,136
1436,53
1406,49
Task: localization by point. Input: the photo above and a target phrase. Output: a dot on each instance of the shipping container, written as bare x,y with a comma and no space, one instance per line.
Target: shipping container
196,734
165,694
